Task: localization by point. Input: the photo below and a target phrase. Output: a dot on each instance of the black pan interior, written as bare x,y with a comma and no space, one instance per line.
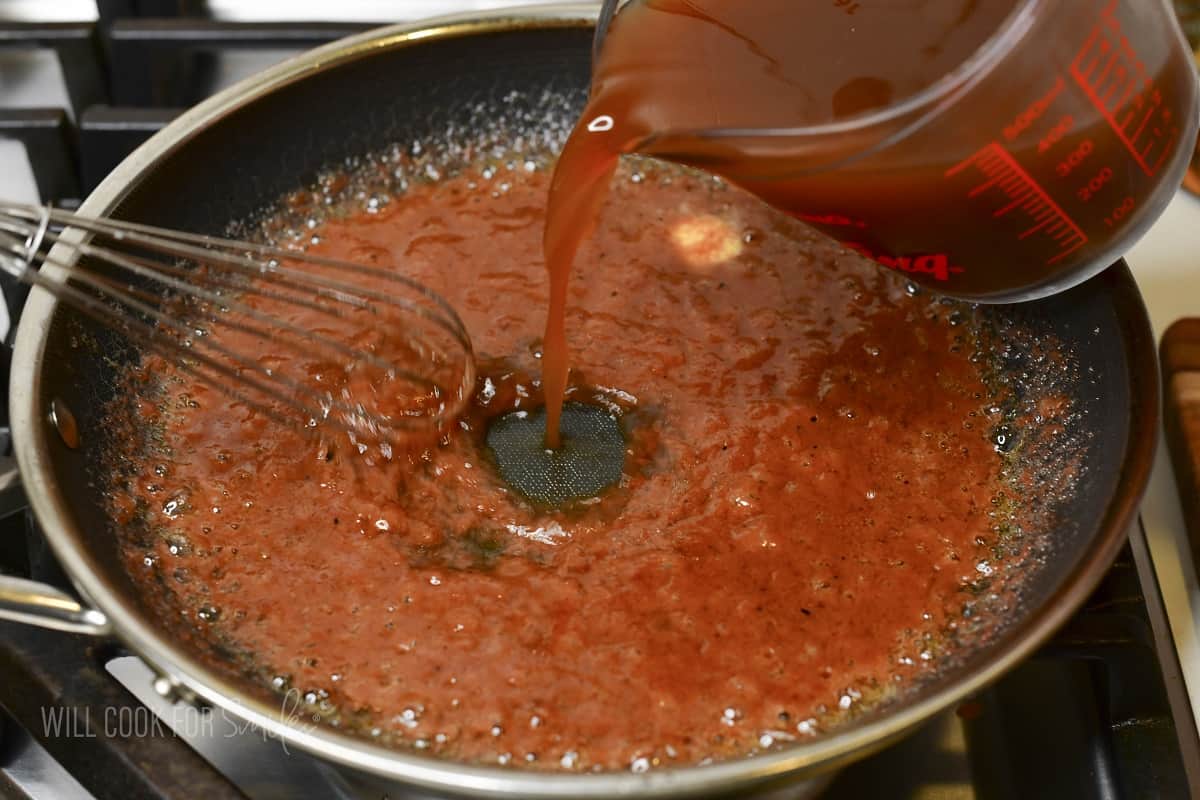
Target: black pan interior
282,141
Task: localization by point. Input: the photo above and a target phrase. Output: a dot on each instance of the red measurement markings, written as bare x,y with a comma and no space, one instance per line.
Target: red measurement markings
936,264
1115,81
833,220
1004,176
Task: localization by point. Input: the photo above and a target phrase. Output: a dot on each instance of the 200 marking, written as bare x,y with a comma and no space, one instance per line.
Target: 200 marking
1088,190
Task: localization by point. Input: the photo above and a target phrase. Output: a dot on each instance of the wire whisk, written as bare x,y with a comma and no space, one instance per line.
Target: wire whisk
306,340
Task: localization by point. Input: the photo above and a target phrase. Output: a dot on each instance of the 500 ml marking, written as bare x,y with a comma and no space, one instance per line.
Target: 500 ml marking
1115,80
1004,176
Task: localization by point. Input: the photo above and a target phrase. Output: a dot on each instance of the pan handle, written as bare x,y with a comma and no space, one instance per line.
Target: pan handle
43,605
35,603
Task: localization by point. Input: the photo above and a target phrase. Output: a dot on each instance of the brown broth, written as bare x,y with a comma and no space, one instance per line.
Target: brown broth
1024,184
670,68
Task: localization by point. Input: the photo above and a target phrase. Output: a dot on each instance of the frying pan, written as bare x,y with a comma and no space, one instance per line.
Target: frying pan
238,152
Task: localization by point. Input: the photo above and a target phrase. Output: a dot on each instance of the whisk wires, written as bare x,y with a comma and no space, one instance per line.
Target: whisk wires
304,339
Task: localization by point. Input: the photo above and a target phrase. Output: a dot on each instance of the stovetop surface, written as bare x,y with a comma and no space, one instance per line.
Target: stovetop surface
1098,712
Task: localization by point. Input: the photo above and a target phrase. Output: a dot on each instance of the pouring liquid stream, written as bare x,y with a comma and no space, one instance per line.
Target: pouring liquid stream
874,123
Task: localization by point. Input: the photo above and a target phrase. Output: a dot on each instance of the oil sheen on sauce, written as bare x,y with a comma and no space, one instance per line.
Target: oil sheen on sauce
805,502
669,69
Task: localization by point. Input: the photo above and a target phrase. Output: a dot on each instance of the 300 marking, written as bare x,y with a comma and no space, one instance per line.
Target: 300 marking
1076,157
1088,190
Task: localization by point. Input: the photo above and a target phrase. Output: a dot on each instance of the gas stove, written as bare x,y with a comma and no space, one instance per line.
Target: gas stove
1106,709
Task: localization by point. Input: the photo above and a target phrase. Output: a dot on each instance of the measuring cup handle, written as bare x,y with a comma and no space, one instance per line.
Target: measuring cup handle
608,10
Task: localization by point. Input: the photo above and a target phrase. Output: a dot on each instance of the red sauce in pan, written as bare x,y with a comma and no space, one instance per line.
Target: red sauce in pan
805,496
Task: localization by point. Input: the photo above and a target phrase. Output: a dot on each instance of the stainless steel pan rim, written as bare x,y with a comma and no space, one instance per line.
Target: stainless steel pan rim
31,432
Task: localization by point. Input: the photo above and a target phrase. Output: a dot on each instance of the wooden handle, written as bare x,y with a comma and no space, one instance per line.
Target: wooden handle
1181,383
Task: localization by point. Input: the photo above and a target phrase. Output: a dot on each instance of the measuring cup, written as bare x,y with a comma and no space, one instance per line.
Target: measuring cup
1030,167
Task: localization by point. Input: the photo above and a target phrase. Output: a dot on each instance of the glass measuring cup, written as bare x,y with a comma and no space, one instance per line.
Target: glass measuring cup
1027,168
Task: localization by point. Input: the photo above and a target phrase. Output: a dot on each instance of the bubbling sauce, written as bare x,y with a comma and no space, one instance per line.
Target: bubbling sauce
808,492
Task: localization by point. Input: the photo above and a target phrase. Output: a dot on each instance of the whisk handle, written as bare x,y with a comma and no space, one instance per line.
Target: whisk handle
19,257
